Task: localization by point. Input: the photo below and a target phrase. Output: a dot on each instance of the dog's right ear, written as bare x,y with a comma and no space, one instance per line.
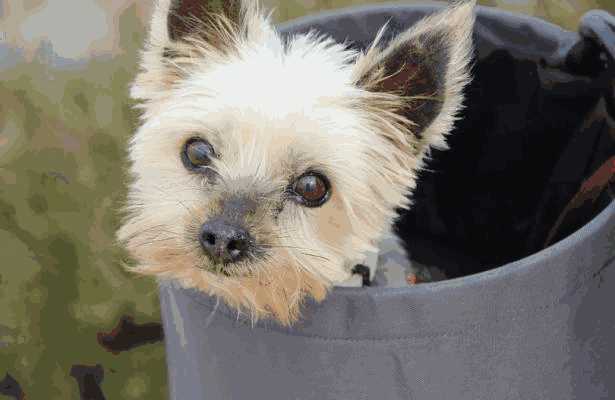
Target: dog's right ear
428,67
188,32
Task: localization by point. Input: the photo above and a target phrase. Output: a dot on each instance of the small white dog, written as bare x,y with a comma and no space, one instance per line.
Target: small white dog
266,167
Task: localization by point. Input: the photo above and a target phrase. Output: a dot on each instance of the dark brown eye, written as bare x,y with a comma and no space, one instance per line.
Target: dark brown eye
313,189
197,154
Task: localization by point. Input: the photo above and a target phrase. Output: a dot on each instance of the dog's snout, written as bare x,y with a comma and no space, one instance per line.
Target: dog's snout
224,241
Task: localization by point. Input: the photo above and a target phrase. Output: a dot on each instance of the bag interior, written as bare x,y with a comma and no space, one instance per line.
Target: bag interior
530,136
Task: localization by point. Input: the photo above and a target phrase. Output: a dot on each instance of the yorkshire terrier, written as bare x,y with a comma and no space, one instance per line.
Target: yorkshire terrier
266,167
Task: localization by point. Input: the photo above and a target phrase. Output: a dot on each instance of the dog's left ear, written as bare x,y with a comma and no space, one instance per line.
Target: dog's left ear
185,16
186,33
428,67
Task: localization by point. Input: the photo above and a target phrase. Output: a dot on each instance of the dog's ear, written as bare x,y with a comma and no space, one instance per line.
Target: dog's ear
428,67
187,32
185,17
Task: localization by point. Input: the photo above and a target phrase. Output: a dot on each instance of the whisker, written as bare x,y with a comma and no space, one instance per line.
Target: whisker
316,256
150,242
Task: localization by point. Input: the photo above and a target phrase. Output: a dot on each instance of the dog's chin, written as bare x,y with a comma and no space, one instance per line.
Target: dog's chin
228,270
271,290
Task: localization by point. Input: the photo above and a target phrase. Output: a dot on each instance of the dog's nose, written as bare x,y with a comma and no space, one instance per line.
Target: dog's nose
224,241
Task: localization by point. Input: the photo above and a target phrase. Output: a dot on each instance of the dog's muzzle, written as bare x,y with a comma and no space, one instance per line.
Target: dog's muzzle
223,237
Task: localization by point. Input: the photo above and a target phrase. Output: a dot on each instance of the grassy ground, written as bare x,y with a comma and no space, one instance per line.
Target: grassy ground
62,140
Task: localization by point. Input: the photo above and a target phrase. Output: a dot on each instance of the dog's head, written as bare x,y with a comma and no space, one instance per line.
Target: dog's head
265,165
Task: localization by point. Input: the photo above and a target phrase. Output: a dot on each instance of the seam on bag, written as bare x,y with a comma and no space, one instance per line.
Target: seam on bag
588,277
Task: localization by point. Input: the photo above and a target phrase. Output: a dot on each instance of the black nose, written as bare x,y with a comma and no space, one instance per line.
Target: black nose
223,241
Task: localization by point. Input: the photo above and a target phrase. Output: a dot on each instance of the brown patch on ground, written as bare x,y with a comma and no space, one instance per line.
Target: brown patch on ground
11,388
89,379
127,335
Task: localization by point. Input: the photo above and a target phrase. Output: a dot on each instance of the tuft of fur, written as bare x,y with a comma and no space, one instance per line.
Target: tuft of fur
274,108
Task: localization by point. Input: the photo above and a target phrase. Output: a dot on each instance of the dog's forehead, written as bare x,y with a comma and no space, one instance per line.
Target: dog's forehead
275,81
255,144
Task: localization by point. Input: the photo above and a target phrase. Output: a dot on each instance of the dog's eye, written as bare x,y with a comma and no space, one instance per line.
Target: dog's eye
197,153
313,189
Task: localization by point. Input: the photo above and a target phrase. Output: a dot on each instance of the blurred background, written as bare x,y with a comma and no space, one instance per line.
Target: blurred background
65,67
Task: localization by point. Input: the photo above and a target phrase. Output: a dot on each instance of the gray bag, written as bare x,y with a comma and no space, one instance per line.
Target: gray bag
521,320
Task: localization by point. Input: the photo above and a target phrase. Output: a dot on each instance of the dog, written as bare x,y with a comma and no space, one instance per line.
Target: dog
265,167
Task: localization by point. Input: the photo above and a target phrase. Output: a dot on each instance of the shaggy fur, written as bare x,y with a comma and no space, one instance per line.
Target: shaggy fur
274,108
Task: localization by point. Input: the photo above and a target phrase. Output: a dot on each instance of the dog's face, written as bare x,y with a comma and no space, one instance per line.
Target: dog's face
265,167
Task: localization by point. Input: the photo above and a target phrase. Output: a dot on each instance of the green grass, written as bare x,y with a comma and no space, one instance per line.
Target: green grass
61,181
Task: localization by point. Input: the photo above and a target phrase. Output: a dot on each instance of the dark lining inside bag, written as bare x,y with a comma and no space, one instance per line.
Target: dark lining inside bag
529,137
537,126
